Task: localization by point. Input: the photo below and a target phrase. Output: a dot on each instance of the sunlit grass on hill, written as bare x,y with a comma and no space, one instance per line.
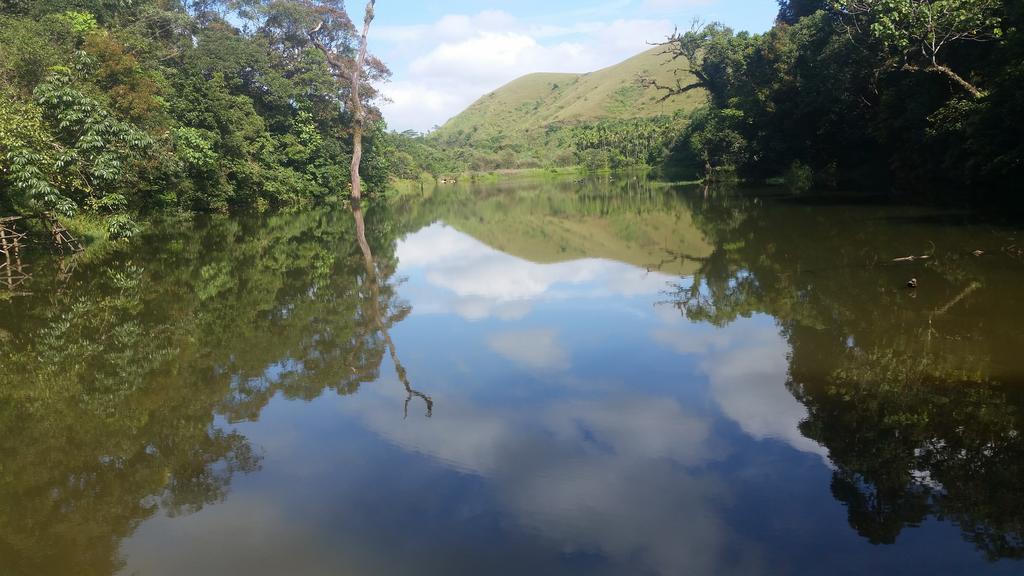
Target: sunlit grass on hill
525,111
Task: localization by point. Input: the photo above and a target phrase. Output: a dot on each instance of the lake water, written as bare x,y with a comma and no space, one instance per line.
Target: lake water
606,377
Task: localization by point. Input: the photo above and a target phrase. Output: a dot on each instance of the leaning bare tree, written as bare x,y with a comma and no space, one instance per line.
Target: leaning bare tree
687,47
354,72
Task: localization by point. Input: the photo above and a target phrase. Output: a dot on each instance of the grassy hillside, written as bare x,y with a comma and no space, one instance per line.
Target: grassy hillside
525,109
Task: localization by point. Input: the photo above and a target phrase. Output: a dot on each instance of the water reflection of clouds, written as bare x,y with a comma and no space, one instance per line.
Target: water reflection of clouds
616,466
466,277
624,476
628,475
532,349
747,368
746,362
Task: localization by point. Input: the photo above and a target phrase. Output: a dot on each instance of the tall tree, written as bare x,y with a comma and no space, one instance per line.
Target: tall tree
791,11
713,54
354,73
358,114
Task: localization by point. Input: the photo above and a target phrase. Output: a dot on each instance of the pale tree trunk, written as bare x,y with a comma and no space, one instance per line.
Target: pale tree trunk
358,115
976,92
948,72
355,75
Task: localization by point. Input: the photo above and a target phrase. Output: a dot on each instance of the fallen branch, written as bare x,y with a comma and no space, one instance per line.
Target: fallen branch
967,292
911,258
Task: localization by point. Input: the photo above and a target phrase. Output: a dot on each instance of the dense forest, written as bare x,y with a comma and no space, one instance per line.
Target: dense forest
923,94
609,144
120,107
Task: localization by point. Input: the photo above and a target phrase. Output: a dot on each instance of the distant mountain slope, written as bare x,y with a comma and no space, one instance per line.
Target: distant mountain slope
533,102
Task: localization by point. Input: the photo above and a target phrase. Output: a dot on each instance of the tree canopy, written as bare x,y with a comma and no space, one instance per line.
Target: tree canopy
120,108
913,93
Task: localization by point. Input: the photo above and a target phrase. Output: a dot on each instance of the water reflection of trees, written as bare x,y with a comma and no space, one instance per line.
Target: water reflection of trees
377,281
916,394
115,390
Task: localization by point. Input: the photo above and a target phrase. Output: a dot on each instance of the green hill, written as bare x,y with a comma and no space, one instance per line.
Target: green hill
526,108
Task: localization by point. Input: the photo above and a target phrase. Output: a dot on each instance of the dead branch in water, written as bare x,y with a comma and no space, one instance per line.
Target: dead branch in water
966,292
912,258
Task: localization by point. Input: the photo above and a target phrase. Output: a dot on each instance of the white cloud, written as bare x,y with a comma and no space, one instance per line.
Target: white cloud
448,28
494,58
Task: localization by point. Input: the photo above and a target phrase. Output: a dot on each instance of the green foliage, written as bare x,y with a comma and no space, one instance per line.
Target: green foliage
97,149
791,11
594,159
799,178
624,143
30,48
118,389
530,122
120,107
919,32
599,145
910,92
195,148
416,155
121,227
712,142
28,156
903,24
81,23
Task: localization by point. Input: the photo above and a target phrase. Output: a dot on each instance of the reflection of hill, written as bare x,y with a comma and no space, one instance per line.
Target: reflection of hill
557,221
646,242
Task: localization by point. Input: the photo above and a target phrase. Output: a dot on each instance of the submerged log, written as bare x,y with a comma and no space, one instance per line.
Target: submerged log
912,258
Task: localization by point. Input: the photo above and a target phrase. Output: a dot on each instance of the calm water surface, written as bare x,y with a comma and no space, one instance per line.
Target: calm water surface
612,377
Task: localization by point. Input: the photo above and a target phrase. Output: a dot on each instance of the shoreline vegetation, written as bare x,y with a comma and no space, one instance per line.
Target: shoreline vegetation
122,110
114,113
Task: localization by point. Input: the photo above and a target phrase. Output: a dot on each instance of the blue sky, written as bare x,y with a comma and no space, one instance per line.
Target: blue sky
445,55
